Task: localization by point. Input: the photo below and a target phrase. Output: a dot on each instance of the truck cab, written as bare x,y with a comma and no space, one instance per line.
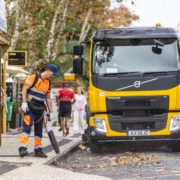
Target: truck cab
134,86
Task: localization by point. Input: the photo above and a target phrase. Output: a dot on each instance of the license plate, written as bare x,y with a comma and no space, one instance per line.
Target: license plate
138,133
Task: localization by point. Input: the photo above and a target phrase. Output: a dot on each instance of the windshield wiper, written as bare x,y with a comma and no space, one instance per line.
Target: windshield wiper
119,73
160,73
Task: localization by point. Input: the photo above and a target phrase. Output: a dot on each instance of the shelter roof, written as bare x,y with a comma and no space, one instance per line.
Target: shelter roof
5,39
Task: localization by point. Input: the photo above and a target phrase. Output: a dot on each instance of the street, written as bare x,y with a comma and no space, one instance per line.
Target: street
122,161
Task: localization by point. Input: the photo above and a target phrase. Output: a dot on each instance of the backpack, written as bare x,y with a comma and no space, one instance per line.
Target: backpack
36,80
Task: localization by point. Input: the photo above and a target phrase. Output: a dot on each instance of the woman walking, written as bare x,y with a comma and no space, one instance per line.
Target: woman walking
66,98
79,105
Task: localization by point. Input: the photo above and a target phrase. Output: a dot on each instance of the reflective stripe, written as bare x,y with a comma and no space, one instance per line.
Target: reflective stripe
29,82
25,134
38,91
37,95
37,137
39,99
21,145
37,147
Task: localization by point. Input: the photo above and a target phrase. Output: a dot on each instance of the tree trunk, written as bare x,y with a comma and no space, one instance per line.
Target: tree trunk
19,20
85,32
85,29
52,32
61,25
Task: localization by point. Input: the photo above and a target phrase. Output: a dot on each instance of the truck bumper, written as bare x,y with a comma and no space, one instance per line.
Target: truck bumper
102,138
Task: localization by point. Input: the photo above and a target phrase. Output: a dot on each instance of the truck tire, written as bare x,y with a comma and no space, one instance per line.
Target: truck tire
88,114
85,136
95,147
175,146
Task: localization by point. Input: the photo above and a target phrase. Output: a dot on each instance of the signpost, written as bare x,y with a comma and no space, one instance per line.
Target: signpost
17,58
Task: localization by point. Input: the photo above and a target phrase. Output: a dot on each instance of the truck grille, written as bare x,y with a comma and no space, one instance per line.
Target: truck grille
122,123
137,103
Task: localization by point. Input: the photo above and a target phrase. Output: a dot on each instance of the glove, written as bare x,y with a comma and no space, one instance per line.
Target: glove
24,107
50,116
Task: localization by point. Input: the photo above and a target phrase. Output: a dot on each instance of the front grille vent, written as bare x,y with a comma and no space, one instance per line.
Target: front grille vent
137,103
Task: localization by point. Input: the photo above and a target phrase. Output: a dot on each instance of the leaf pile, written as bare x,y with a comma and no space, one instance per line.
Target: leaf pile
134,159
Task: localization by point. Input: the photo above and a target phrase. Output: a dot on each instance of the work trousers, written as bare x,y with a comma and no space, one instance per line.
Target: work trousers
78,123
30,119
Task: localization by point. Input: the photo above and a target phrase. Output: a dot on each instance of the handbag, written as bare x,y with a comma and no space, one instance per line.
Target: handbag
36,107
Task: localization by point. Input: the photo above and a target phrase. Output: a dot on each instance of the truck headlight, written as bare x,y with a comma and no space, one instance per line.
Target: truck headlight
100,124
175,123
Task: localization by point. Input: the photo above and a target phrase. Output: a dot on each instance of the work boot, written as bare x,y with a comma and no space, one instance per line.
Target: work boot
40,154
23,153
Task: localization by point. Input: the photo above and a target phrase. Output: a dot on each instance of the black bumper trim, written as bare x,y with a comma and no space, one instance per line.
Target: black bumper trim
101,137
139,140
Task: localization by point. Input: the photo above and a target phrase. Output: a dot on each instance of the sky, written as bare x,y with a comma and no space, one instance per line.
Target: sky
166,12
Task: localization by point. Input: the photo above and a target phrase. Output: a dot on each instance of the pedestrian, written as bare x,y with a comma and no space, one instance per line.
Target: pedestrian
50,123
33,97
59,120
66,98
3,103
79,110
58,110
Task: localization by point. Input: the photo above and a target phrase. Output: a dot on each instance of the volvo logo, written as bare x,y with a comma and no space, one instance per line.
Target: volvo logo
101,94
137,84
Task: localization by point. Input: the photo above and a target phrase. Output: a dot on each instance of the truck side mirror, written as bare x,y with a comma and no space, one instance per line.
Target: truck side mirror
78,50
78,66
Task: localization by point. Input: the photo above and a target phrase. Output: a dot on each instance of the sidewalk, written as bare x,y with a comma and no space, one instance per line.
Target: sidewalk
12,167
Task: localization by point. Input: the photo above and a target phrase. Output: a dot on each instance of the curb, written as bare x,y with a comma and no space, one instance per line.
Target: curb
63,154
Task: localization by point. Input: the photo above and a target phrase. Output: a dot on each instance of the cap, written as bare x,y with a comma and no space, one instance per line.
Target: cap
65,85
53,68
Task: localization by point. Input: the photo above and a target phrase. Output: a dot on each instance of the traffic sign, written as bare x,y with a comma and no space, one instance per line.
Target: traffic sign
17,58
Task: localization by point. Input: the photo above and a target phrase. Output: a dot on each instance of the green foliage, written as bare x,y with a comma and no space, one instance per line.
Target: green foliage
16,107
37,17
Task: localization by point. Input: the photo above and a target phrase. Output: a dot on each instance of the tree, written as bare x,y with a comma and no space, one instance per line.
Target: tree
45,27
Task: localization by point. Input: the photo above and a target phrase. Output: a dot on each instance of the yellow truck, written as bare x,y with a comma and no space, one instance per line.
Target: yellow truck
134,86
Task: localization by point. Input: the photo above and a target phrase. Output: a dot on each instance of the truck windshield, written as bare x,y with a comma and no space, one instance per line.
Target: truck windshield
119,56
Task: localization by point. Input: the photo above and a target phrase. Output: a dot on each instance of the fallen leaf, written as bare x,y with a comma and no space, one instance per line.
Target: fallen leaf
74,167
136,155
101,165
161,170
104,158
82,147
112,159
114,164
89,166
90,159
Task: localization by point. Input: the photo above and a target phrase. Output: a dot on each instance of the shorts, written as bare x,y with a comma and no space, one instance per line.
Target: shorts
65,112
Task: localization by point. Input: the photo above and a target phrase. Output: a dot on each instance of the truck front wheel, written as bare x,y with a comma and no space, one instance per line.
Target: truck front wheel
95,147
175,146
